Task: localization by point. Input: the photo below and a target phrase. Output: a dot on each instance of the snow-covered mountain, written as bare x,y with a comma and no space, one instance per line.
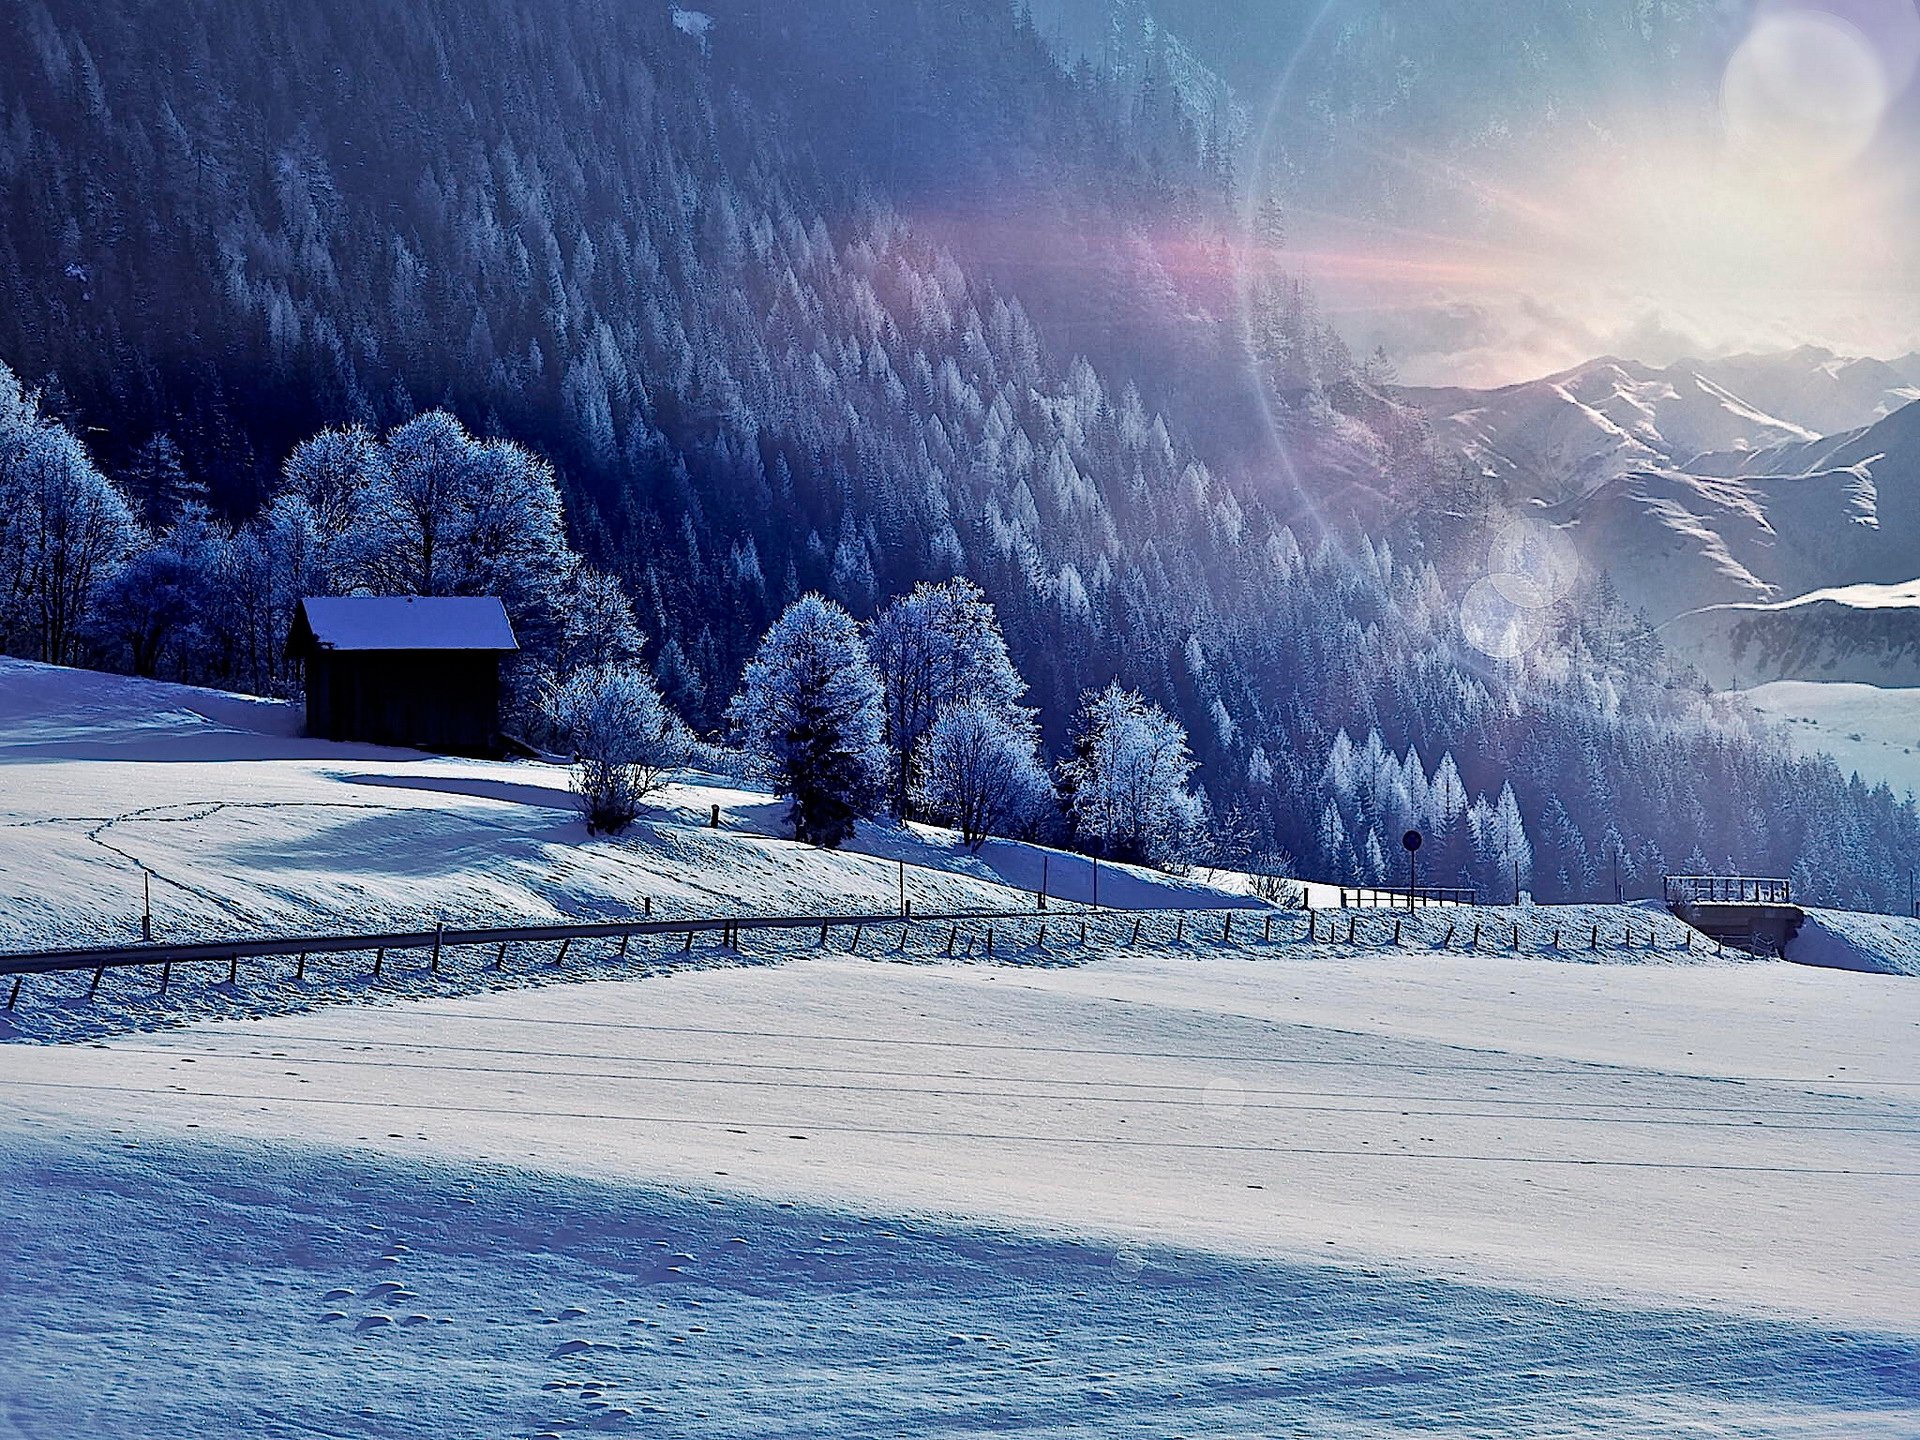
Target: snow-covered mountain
1759,528
1818,389
1859,634
1562,436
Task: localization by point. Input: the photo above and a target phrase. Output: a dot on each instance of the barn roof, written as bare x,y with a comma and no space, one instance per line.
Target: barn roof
402,622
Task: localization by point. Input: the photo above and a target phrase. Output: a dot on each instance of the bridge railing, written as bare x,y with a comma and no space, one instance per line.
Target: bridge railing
1421,896
1728,890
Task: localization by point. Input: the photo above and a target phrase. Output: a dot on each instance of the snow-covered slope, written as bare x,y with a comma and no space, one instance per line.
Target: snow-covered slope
1858,634
247,828
1872,731
1559,437
1766,526
1553,439
1847,940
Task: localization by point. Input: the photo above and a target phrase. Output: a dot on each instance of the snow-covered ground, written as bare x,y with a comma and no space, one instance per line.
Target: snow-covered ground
1369,1194
1847,940
1871,730
246,829
1528,1172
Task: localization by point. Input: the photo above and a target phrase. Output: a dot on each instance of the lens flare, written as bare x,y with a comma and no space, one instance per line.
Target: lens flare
1804,90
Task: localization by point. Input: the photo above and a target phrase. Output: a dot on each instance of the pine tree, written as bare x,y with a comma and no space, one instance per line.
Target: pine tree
809,711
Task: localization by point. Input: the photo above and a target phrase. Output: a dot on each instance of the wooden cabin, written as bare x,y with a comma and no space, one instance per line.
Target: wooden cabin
413,670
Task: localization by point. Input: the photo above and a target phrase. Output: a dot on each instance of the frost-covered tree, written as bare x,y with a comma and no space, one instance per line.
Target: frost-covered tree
600,627
979,771
1126,780
160,597
157,484
64,529
934,648
809,711
621,737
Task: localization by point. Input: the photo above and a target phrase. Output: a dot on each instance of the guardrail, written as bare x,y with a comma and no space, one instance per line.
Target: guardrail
1727,890
100,959
1377,898
39,962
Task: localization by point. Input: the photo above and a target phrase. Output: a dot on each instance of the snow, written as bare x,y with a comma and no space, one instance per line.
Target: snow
1856,597
246,829
1371,1183
1871,730
1847,940
1359,1193
409,622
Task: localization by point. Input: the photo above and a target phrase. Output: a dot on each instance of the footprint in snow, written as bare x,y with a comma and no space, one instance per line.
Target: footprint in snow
374,1322
570,1347
338,1295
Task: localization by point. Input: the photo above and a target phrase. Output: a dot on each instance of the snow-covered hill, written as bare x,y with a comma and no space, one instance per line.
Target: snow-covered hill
1858,634
1872,731
247,828
1557,438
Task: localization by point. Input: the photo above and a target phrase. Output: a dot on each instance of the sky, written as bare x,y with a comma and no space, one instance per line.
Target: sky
1763,195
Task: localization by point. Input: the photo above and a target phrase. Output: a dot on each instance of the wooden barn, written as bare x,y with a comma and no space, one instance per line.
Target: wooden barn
421,671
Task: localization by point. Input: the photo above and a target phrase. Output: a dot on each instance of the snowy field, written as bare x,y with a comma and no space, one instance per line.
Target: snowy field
1301,1192
1871,730
1540,1172
248,829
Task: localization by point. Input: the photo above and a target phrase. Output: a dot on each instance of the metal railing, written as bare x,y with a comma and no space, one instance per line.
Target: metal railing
1728,890
40,962
1377,898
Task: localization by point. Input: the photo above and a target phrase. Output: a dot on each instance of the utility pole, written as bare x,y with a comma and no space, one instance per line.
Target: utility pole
903,887
1043,879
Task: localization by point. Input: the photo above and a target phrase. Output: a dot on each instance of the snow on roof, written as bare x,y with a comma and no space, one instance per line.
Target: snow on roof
405,622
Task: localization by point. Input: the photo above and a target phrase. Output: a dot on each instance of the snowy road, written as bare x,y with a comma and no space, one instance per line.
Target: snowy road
1148,1195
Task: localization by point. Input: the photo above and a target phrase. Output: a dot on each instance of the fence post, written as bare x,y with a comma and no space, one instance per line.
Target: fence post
98,971
500,955
1516,935
1180,927
1040,940
14,994
952,935
1352,922
1396,929
565,941
378,956
989,942
1268,936
687,948
433,965
856,939
1226,930
1313,927
233,970
300,970
1474,944
1136,932
1448,942
625,936
1083,933
1596,939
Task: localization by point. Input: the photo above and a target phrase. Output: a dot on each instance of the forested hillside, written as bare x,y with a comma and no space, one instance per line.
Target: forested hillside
842,297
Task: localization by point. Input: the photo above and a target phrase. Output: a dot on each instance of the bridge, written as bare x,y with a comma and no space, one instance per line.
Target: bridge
1748,912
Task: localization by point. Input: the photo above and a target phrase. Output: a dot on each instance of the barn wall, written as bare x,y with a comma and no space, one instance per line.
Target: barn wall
425,699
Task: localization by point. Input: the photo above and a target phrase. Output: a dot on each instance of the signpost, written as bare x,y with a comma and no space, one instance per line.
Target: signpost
1411,842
